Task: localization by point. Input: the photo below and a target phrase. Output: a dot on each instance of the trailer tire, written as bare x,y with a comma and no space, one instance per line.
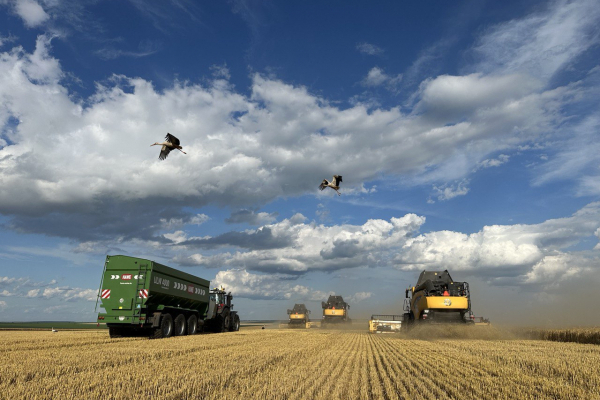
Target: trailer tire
192,325
165,329
115,332
179,325
236,323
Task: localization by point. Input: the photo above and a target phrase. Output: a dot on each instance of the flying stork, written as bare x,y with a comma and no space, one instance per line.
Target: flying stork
334,184
170,143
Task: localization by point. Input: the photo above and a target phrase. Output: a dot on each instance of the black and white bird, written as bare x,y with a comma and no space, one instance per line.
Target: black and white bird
170,143
334,184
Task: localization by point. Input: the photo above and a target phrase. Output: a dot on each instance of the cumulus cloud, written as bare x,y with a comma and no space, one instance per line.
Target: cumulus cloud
308,246
243,150
257,286
3,305
369,49
503,254
31,12
359,297
508,254
21,287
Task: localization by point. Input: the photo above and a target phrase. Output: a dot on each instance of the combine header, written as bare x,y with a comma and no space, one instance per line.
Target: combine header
335,311
299,316
437,299
385,323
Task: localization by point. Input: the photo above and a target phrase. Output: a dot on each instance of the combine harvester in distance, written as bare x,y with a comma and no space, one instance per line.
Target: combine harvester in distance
437,299
385,323
299,317
335,312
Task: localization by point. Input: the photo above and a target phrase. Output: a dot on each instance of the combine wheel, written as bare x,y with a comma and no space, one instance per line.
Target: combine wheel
236,324
179,325
192,325
165,329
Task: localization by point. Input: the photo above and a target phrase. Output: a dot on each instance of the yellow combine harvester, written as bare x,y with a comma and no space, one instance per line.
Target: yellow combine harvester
299,316
335,312
436,299
385,323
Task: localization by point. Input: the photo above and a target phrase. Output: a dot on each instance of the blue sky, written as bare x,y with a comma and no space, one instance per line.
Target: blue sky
466,134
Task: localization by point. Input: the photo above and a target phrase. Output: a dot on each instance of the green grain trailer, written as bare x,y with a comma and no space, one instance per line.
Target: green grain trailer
144,297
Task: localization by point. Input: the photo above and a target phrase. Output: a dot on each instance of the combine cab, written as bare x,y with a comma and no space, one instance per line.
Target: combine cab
385,323
335,311
298,316
437,299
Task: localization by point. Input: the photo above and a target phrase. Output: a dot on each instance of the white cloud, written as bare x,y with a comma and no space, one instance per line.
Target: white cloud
241,150
254,286
301,247
504,254
145,48
31,12
6,293
516,254
578,159
359,297
7,39
494,162
33,293
3,305
370,49
542,43
220,71
377,77
449,191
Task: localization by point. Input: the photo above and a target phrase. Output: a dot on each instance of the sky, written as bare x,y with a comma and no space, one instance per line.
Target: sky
466,133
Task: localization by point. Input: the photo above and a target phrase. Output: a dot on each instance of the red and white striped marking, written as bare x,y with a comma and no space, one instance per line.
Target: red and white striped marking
105,294
144,293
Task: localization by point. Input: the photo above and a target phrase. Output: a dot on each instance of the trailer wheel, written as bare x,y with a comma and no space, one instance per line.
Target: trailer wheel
236,323
165,329
115,332
179,325
192,325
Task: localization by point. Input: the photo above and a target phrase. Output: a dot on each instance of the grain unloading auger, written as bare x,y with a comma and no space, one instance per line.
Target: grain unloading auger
437,299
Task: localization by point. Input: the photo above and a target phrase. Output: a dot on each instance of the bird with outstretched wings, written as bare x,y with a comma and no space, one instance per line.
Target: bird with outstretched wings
334,184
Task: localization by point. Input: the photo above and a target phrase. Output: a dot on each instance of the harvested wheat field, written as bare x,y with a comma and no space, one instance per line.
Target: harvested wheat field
293,364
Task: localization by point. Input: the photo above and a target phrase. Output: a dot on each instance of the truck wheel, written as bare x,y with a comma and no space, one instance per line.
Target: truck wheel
165,329
115,332
192,325
236,323
179,328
